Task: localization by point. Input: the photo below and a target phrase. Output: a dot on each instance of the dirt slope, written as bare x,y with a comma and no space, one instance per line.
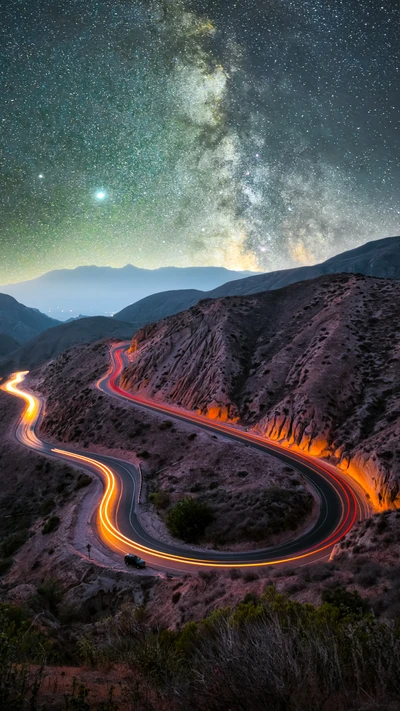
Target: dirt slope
231,478
314,365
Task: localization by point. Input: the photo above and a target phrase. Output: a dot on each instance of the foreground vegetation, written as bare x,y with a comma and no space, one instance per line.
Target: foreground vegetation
267,653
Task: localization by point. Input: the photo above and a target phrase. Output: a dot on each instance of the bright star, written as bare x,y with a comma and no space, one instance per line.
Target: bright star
100,195
41,176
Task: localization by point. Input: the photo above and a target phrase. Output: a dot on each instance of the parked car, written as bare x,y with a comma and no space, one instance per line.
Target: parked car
131,559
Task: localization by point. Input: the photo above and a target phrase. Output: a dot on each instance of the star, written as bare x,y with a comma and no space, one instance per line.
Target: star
190,132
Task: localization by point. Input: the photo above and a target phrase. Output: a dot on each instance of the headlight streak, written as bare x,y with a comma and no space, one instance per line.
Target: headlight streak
111,498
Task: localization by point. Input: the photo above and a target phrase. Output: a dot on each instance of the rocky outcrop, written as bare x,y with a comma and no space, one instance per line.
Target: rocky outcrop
314,365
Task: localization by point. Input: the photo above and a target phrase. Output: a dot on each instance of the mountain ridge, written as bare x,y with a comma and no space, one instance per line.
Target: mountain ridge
20,322
53,342
384,253
98,291
313,365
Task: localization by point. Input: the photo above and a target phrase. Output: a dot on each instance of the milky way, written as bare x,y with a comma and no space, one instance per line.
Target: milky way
247,134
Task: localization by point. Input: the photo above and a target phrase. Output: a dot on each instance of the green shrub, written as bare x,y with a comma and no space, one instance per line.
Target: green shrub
350,605
51,525
269,652
188,519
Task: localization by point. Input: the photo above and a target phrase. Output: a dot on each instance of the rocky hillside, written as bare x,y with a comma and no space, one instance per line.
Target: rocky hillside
231,479
314,365
21,322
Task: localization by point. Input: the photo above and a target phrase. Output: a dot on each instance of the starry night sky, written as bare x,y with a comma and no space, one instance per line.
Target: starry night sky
249,134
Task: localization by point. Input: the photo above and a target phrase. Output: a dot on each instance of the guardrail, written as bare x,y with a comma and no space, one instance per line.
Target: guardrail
140,483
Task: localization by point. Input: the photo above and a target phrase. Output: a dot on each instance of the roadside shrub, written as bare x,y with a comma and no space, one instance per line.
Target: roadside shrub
350,605
82,481
51,524
46,507
188,519
160,499
166,425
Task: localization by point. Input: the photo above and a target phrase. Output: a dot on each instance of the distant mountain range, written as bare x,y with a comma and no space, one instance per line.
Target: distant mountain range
380,258
95,291
28,337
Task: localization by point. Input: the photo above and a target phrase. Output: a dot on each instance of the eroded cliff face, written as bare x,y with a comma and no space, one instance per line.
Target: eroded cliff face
314,366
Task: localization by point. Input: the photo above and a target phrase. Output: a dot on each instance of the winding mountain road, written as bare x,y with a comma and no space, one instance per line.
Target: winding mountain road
342,501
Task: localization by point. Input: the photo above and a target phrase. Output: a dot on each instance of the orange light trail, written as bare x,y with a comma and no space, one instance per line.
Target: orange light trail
32,404
111,497
107,504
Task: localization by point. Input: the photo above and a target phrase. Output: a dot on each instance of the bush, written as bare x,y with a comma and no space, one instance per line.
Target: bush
188,519
350,604
166,425
51,525
11,543
160,499
269,652
47,507
20,645
82,481
50,594
5,564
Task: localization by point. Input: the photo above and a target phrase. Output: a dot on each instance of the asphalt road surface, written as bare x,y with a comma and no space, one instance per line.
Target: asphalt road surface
342,502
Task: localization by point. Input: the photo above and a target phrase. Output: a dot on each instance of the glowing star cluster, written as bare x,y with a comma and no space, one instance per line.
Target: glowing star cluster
195,132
